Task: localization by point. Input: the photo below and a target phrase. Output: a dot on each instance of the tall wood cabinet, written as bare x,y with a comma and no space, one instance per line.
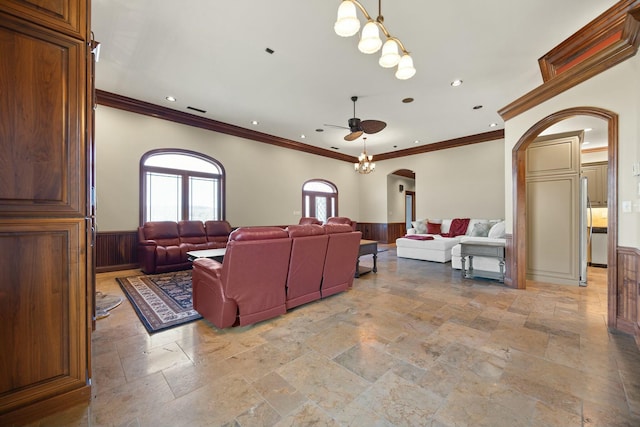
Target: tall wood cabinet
553,209
46,267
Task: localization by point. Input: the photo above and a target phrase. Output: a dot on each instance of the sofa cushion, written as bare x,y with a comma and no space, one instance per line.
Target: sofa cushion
434,227
497,231
480,229
420,226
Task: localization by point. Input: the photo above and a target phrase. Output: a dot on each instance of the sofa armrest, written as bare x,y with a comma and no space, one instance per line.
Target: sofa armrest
148,243
209,266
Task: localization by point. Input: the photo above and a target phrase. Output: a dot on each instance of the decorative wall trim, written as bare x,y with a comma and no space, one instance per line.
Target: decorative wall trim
587,53
380,232
120,102
140,107
443,145
116,250
628,285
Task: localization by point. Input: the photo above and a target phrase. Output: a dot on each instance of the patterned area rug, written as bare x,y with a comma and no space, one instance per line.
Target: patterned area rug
161,301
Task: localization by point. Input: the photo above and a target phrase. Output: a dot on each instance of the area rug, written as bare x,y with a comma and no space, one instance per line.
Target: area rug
162,301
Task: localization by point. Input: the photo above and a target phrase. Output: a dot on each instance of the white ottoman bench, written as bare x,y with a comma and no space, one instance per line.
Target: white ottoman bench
438,249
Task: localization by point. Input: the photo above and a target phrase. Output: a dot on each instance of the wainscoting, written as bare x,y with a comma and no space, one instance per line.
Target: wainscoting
116,250
382,232
628,289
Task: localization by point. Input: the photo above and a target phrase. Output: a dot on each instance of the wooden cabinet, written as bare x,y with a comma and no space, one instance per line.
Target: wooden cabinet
597,178
45,259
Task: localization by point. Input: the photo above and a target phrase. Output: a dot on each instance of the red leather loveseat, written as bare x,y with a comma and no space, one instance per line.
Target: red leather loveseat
163,245
267,270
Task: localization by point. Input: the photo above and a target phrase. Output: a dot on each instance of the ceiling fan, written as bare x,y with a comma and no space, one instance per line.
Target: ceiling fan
357,127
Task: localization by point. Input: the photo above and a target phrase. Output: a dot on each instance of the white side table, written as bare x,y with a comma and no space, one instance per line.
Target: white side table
483,249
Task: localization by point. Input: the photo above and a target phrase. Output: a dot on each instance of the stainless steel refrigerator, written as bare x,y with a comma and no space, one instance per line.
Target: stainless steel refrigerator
585,228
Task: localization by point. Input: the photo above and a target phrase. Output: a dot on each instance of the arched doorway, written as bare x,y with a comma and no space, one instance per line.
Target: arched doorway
519,247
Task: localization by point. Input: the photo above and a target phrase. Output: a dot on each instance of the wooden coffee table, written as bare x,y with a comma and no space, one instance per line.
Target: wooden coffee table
367,247
216,254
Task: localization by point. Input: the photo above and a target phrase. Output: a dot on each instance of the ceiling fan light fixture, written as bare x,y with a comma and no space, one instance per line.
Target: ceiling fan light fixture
347,24
370,39
406,69
390,56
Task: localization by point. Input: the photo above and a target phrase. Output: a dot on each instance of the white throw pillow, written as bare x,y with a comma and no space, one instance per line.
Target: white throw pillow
420,226
481,229
497,231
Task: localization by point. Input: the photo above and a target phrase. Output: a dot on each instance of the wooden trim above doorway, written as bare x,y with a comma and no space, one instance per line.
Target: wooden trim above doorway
589,52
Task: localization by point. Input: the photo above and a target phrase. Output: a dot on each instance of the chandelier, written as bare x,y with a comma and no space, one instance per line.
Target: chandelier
348,24
364,165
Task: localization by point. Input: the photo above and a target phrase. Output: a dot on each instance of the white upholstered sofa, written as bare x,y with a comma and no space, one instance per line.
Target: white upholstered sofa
441,246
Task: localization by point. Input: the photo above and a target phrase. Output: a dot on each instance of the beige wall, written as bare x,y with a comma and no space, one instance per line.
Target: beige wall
264,182
617,90
459,182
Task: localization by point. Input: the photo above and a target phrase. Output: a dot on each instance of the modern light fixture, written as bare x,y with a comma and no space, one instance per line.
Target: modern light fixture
365,164
347,25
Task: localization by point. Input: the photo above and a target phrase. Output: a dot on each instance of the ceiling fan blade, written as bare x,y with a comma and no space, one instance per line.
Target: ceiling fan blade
372,126
353,136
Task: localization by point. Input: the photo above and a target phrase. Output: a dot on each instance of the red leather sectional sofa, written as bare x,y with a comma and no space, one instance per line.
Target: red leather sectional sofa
268,270
163,245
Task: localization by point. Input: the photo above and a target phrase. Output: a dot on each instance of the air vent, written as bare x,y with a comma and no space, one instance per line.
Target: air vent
335,148
196,109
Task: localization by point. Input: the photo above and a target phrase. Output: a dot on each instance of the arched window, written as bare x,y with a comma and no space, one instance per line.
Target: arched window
180,185
319,199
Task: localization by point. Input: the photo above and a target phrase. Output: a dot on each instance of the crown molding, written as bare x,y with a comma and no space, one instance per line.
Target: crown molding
113,100
121,102
443,145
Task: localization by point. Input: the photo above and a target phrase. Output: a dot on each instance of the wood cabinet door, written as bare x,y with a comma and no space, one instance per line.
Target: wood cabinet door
42,133
44,305
67,16
43,311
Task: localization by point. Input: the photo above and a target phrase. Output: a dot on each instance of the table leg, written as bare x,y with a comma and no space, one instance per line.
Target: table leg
357,267
375,262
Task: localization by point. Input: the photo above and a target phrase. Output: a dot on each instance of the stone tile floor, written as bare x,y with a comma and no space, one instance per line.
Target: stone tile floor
413,345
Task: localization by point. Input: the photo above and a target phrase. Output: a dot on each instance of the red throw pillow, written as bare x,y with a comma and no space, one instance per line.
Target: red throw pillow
433,228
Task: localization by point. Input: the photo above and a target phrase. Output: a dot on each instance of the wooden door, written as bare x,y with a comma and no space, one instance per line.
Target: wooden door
44,264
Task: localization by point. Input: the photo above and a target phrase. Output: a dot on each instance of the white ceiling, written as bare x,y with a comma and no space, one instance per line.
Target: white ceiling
210,54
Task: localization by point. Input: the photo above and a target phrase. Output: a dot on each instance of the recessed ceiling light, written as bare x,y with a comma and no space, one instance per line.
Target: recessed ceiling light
492,125
416,142
477,107
586,143
407,100
303,136
456,83
255,122
170,99
588,129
